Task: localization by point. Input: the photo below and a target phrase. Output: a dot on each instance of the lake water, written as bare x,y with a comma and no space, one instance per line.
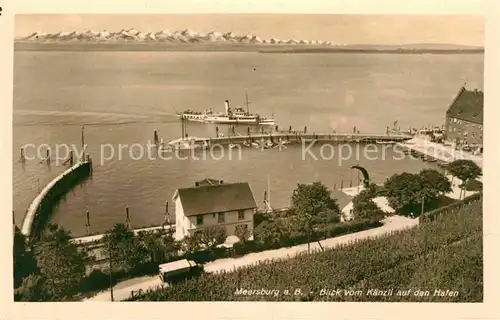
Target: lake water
121,97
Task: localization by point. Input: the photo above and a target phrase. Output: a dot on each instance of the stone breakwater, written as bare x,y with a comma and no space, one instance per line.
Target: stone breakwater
39,211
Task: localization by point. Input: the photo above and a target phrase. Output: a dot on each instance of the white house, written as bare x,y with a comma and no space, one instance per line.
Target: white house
214,203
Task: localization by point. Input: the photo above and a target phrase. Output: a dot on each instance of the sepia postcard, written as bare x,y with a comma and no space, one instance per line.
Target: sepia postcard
234,155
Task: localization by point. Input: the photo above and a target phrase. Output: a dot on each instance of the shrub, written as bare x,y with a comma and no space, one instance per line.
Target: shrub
474,185
270,235
96,280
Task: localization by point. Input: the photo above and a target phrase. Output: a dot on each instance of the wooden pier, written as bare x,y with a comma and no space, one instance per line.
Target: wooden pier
297,137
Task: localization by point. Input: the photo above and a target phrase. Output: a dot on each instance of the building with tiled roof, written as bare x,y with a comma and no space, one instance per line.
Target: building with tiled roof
464,118
211,204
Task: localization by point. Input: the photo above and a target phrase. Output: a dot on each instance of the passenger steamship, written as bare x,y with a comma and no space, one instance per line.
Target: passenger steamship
231,116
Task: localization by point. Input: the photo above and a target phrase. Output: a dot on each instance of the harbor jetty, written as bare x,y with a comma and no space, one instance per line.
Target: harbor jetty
293,137
41,207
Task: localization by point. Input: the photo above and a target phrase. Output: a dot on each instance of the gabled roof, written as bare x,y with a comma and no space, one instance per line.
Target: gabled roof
468,106
342,198
216,198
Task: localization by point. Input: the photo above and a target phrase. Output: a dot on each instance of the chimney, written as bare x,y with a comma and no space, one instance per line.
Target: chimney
226,104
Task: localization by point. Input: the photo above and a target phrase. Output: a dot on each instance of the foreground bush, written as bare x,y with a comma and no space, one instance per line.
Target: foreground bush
474,185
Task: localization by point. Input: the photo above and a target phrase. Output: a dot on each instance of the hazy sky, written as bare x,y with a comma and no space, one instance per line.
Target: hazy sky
349,29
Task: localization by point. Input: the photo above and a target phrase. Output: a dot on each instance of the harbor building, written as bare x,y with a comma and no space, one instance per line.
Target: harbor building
464,118
214,203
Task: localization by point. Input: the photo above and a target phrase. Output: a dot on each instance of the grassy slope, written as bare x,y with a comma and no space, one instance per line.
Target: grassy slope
445,254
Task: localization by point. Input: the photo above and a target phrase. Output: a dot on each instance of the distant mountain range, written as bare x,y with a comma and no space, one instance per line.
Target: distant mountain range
133,39
184,36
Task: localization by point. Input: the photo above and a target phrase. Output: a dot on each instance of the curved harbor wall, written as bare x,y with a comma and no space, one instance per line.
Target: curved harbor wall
41,207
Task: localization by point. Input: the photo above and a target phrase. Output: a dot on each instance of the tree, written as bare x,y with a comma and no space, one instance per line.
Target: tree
124,247
314,203
293,227
191,244
205,239
312,199
364,208
434,184
464,170
403,192
32,289
24,261
212,236
267,234
61,264
159,244
406,191
241,231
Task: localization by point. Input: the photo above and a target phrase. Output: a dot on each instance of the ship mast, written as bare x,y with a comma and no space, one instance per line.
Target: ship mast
182,127
246,97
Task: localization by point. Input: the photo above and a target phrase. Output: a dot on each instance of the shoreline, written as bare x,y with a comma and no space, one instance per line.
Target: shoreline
214,47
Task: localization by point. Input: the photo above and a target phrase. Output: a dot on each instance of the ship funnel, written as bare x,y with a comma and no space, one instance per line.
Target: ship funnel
226,104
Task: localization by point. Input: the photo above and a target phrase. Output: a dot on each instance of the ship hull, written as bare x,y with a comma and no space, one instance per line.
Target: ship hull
245,122
266,122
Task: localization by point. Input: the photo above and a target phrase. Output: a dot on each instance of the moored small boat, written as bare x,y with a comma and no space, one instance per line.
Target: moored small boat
384,142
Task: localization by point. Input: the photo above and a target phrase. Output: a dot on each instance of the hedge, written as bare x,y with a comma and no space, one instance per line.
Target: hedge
329,231
432,215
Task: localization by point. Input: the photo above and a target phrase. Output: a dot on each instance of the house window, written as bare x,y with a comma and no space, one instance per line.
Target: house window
199,220
222,217
241,214
454,119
